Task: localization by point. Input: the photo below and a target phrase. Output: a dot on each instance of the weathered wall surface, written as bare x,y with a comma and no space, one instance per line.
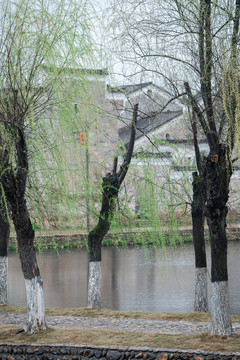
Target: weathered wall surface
100,116
71,182
67,352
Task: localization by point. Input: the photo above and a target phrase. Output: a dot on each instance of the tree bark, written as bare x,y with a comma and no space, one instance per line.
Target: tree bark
201,293
4,239
110,188
14,186
218,173
14,192
94,285
31,273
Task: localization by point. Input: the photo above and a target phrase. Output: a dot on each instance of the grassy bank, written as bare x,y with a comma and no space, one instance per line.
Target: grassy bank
61,239
120,338
85,312
128,238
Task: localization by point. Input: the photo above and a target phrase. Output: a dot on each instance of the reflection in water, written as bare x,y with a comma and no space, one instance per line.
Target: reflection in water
133,279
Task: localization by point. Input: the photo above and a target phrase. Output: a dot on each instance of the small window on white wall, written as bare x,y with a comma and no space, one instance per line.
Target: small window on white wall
149,93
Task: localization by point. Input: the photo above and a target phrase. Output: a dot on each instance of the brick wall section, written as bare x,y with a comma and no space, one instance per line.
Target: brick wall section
103,134
67,352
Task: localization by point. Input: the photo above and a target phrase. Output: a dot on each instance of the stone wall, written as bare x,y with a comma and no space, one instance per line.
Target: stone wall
67,352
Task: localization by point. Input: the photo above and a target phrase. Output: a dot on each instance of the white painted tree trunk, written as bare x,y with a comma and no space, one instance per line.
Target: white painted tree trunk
201,291
221,320
3,279
94,285
35,305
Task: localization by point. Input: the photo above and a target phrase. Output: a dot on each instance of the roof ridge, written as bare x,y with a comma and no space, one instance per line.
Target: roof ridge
122,88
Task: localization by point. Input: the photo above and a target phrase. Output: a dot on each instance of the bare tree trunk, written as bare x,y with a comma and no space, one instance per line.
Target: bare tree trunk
201,293
218,173
33,281
87,189
94,284
4,239
110,187
14,186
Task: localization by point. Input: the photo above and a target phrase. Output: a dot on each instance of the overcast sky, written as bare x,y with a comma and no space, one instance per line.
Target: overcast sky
108,59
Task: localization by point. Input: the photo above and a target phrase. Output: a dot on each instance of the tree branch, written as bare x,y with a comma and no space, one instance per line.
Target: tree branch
115,163
124,167
232,74
195,142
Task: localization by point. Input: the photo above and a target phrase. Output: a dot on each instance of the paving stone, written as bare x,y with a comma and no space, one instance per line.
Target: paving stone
125,324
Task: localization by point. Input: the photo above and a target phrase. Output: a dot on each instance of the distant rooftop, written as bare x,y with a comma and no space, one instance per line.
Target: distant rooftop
147,124
128,89
70,70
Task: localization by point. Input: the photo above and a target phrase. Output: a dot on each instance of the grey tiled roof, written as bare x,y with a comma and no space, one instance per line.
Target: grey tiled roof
70,70
128,89
147,124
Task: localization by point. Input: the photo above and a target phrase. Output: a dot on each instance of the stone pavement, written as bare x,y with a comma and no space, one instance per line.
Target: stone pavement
116,324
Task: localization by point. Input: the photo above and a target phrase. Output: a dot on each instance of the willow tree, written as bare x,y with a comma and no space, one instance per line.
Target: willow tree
218,164
198,220
192,47
111,184
145,59
35,35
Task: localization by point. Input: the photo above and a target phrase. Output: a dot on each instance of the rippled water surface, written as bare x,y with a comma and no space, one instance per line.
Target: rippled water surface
133,278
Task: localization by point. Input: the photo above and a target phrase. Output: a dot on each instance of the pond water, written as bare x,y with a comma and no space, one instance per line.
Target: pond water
133,279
